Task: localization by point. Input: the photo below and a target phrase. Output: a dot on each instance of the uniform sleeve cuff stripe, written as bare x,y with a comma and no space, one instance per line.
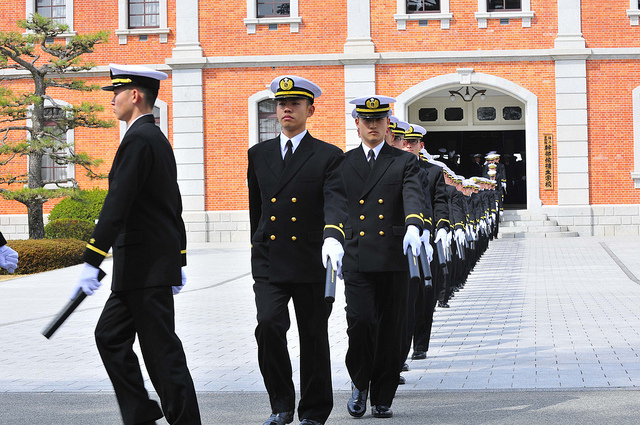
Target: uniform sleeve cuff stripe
99,251
414,215
331,226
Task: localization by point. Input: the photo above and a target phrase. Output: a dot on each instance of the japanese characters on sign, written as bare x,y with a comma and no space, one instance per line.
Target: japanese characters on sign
548,162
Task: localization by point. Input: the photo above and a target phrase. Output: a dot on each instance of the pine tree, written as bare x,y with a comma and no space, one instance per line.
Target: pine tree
32,123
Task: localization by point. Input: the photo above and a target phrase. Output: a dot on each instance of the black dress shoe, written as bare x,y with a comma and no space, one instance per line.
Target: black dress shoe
357,404
379,411
405,367
442,304
309,422
419,355
402,381
281,418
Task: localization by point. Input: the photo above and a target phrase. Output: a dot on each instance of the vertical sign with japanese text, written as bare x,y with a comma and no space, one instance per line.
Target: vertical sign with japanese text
548,162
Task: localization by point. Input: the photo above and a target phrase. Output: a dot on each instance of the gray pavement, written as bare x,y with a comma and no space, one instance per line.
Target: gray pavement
545,331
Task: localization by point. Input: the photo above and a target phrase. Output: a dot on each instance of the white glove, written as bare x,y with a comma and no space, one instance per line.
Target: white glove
459,235
441,235
88,281
333,251
176,289
501,213
8,258
412,239
449,238
493,216
504,186
425,238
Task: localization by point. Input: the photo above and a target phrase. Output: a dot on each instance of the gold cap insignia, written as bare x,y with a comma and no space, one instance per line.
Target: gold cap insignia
410,130
372,103
286,83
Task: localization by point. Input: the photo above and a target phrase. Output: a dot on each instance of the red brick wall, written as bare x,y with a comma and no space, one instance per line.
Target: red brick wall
607,25
610,108
223,32
463,33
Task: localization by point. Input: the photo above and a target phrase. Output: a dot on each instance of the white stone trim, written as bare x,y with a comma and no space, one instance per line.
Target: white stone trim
252,20
635,175
444,16
530,100
572,140
252,104
526,14
633,13
123,31
359,80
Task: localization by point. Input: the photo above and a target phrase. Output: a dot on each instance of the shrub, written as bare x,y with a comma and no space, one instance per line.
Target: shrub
40,255
86,205
67,228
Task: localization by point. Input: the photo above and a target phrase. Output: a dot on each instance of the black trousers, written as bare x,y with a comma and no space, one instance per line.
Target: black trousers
426,305
312,314
149,314
376,315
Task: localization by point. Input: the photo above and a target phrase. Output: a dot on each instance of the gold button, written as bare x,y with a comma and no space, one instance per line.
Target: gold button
293,238
381,233
361,233
361,201
361,217
380,201
380,216
273,200
273,237
294,200
273,218
293,219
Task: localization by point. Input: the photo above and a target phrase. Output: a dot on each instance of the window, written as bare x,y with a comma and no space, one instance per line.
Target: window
417,6
272,13
60,11
512,113
428,114
269,8
422,11
486,113
54,9
144,13
55,167
268,125
453,114
504,9
141,18
495,5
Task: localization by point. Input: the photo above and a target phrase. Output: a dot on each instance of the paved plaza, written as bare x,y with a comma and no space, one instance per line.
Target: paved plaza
545,331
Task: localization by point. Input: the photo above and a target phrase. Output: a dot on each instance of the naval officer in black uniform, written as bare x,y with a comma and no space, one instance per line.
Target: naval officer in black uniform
297,207
8,257
142,220
385,205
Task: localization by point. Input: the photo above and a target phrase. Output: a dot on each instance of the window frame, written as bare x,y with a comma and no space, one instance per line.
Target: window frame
144,15
252,20
30,9
401,16
634,13
70,140
525,14
124,32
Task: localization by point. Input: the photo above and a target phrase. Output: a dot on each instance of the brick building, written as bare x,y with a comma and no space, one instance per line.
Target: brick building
551,84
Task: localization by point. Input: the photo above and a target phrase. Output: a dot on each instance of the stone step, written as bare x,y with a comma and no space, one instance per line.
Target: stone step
529,223
565,234
534,229
524,216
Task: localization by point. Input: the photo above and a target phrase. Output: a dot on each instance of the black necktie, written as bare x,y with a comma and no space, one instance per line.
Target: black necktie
372,158
288,153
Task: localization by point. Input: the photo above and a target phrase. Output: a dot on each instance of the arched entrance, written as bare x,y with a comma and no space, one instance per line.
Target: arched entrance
506,121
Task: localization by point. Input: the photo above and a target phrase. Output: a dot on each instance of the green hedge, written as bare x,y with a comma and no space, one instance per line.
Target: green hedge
86,205
68,228
40,255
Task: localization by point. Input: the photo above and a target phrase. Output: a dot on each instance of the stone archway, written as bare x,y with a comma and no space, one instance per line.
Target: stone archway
466,76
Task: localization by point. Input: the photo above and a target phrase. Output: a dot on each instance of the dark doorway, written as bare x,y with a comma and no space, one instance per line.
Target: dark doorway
459,147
